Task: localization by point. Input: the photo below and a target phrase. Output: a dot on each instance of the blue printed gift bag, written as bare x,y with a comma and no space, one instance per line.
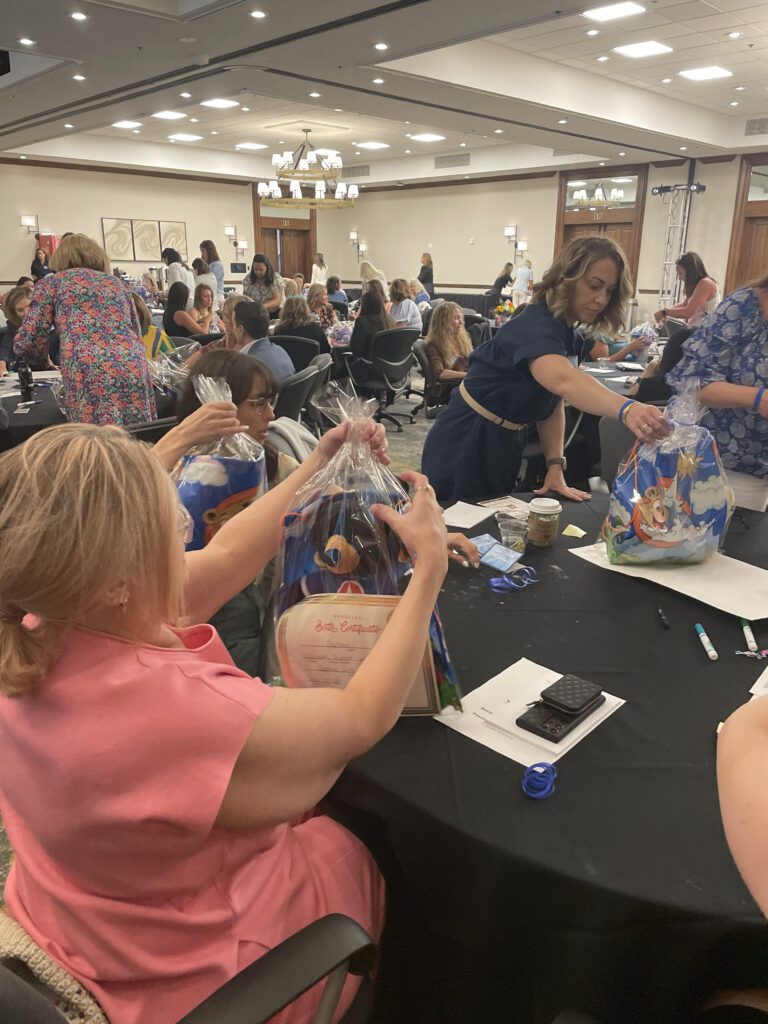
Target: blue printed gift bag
217,480
670,501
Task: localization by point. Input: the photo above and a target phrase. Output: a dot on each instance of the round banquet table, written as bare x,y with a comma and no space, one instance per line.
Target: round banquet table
45,413
616,896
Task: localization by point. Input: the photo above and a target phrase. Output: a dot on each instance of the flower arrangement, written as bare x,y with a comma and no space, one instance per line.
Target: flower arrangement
505,308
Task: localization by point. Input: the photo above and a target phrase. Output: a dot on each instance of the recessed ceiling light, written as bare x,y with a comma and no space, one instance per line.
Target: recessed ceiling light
357,152
214,133
734,103
613,11
498,131
69,126
136,131
408,150
27,42
620,181
169,115
380,46
734,35
373,145
740,88
427,137
462,144
184,137
188,39
602,163
127,124
683,148
78,78
22,157
338,110
563,120
250,145
186,95
378,81
666,81
246,110
622,153
258,14
219,104
603,59
592,32
705,74
193,120
647,49
78,16
315,95
575,184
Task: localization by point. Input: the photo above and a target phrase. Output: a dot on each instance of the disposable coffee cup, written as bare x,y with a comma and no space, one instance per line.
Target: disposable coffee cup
543,521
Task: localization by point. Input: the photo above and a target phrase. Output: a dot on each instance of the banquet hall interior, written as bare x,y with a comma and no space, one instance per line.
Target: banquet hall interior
456,150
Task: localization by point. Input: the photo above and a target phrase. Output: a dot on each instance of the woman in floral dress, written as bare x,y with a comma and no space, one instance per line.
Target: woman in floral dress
103,364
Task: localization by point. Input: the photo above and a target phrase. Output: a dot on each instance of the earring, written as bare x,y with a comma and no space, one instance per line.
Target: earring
124,604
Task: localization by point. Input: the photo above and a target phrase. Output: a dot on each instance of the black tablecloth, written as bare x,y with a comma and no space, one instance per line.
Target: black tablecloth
618,894
24,425
618,387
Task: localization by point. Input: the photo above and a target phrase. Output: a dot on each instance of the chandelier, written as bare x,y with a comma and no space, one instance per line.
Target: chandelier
316,172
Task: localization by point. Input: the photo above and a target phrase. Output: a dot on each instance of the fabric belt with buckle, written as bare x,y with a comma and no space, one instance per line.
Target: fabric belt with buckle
486,413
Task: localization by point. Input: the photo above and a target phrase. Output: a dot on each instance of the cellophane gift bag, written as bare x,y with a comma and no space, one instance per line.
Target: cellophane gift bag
670,501
341,572
218,479
169,371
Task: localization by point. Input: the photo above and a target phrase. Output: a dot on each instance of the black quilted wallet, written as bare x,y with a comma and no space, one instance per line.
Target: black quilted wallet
572,695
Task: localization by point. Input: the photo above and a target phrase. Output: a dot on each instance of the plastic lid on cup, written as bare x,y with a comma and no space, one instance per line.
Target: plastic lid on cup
546,506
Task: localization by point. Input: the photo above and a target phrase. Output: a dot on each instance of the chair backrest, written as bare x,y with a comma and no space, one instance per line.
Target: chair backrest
342,308
420,351
301,350
206,339
479,332
324,364
19,1001
294,392
435,302
392,353
151,431
615,442
472,317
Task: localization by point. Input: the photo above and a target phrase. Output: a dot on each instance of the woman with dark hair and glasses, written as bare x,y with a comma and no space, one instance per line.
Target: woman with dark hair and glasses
263,284
702,295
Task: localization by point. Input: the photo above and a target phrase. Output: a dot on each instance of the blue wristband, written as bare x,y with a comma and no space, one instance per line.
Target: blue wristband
624,408
758,397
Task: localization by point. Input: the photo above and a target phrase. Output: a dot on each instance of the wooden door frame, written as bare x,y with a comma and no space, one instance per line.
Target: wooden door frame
260,222
740,211
608,216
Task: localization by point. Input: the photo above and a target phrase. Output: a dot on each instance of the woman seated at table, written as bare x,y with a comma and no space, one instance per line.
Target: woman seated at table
701,292
403,310
298,323
154,338
290,291
203,310
526,372
204,275
40,267
177,322
151,286
448,345
371,319
608,345
200,849
263,284
104,367
419,296
335,292
228,318
728,355
16,305
317,300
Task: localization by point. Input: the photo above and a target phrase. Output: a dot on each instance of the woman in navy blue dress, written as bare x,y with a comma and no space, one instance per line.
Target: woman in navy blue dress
524,374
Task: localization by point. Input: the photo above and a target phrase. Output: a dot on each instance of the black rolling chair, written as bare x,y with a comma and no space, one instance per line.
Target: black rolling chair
436,393
207,339
330,948
472,317
151,431
385,373
294,392
342,308
315,418
301,350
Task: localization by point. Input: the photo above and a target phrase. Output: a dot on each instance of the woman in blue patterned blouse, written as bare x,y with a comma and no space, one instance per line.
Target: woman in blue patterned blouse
728,355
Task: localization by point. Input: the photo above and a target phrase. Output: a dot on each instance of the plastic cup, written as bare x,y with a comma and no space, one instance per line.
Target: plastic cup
513,530
604,363
543,521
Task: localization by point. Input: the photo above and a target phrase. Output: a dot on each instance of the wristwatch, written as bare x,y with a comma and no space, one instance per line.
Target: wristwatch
559,461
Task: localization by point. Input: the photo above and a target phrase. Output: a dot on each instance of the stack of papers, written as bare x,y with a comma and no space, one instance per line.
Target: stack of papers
465,516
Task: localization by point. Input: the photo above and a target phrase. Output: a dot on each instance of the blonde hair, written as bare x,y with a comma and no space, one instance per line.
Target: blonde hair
428,257
95,483
441,333
556,287
142,310
228,309
14,296
368,272
290,288
314,291
79,252
295,311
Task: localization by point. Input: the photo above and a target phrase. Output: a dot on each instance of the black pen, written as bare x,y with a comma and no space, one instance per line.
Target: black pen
663,617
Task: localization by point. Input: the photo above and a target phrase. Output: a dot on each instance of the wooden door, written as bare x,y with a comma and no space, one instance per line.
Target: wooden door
572,231
294,253
623,234
752,260
269,245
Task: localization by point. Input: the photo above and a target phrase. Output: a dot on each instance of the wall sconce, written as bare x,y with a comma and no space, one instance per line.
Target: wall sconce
230,230
29,221
354,237
240,245
510,233
521,248
362,249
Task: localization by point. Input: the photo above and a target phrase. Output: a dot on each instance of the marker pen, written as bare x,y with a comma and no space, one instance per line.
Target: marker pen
706,642
749,636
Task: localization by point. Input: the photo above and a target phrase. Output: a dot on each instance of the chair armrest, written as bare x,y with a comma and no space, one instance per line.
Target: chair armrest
273,981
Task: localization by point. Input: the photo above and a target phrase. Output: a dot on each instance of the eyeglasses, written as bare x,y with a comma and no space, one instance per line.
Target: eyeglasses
261,403
186,524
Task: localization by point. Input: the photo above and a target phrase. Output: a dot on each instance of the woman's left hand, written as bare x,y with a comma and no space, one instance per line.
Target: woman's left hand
462,550
555,481
373,434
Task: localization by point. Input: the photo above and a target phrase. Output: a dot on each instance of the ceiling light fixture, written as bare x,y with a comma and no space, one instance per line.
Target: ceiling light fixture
26,42
666,81
193,120
575,184
127,124
462,144
186,95
563,120
136,131
246,110
621,181
603,59
740,88
603,163
373,145
250,145
169,115
683,148
78,78
498,131
592,32
258,14
378,81
338,110
69,126
705,74
622,153
315,95
380,46
613,11
427,137
647,49
184,137
214,133
318,172
219,104
78,16
408,150
734,103
734,35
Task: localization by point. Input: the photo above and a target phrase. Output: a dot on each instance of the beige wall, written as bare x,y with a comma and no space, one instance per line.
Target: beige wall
72,200
463,228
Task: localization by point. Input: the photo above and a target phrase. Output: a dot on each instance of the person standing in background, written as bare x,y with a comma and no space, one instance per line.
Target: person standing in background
502,281
522,286
319,270
263,284
427,274
370,273
204,275
178,271
210,255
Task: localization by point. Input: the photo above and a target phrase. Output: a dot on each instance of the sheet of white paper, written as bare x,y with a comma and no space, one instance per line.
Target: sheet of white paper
505,697
41,375
597,369
506,504
13,393
621,380
721,582
625,364
760,689
465,516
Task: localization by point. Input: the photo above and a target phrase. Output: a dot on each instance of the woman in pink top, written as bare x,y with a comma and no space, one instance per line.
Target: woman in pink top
702,295
154,794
